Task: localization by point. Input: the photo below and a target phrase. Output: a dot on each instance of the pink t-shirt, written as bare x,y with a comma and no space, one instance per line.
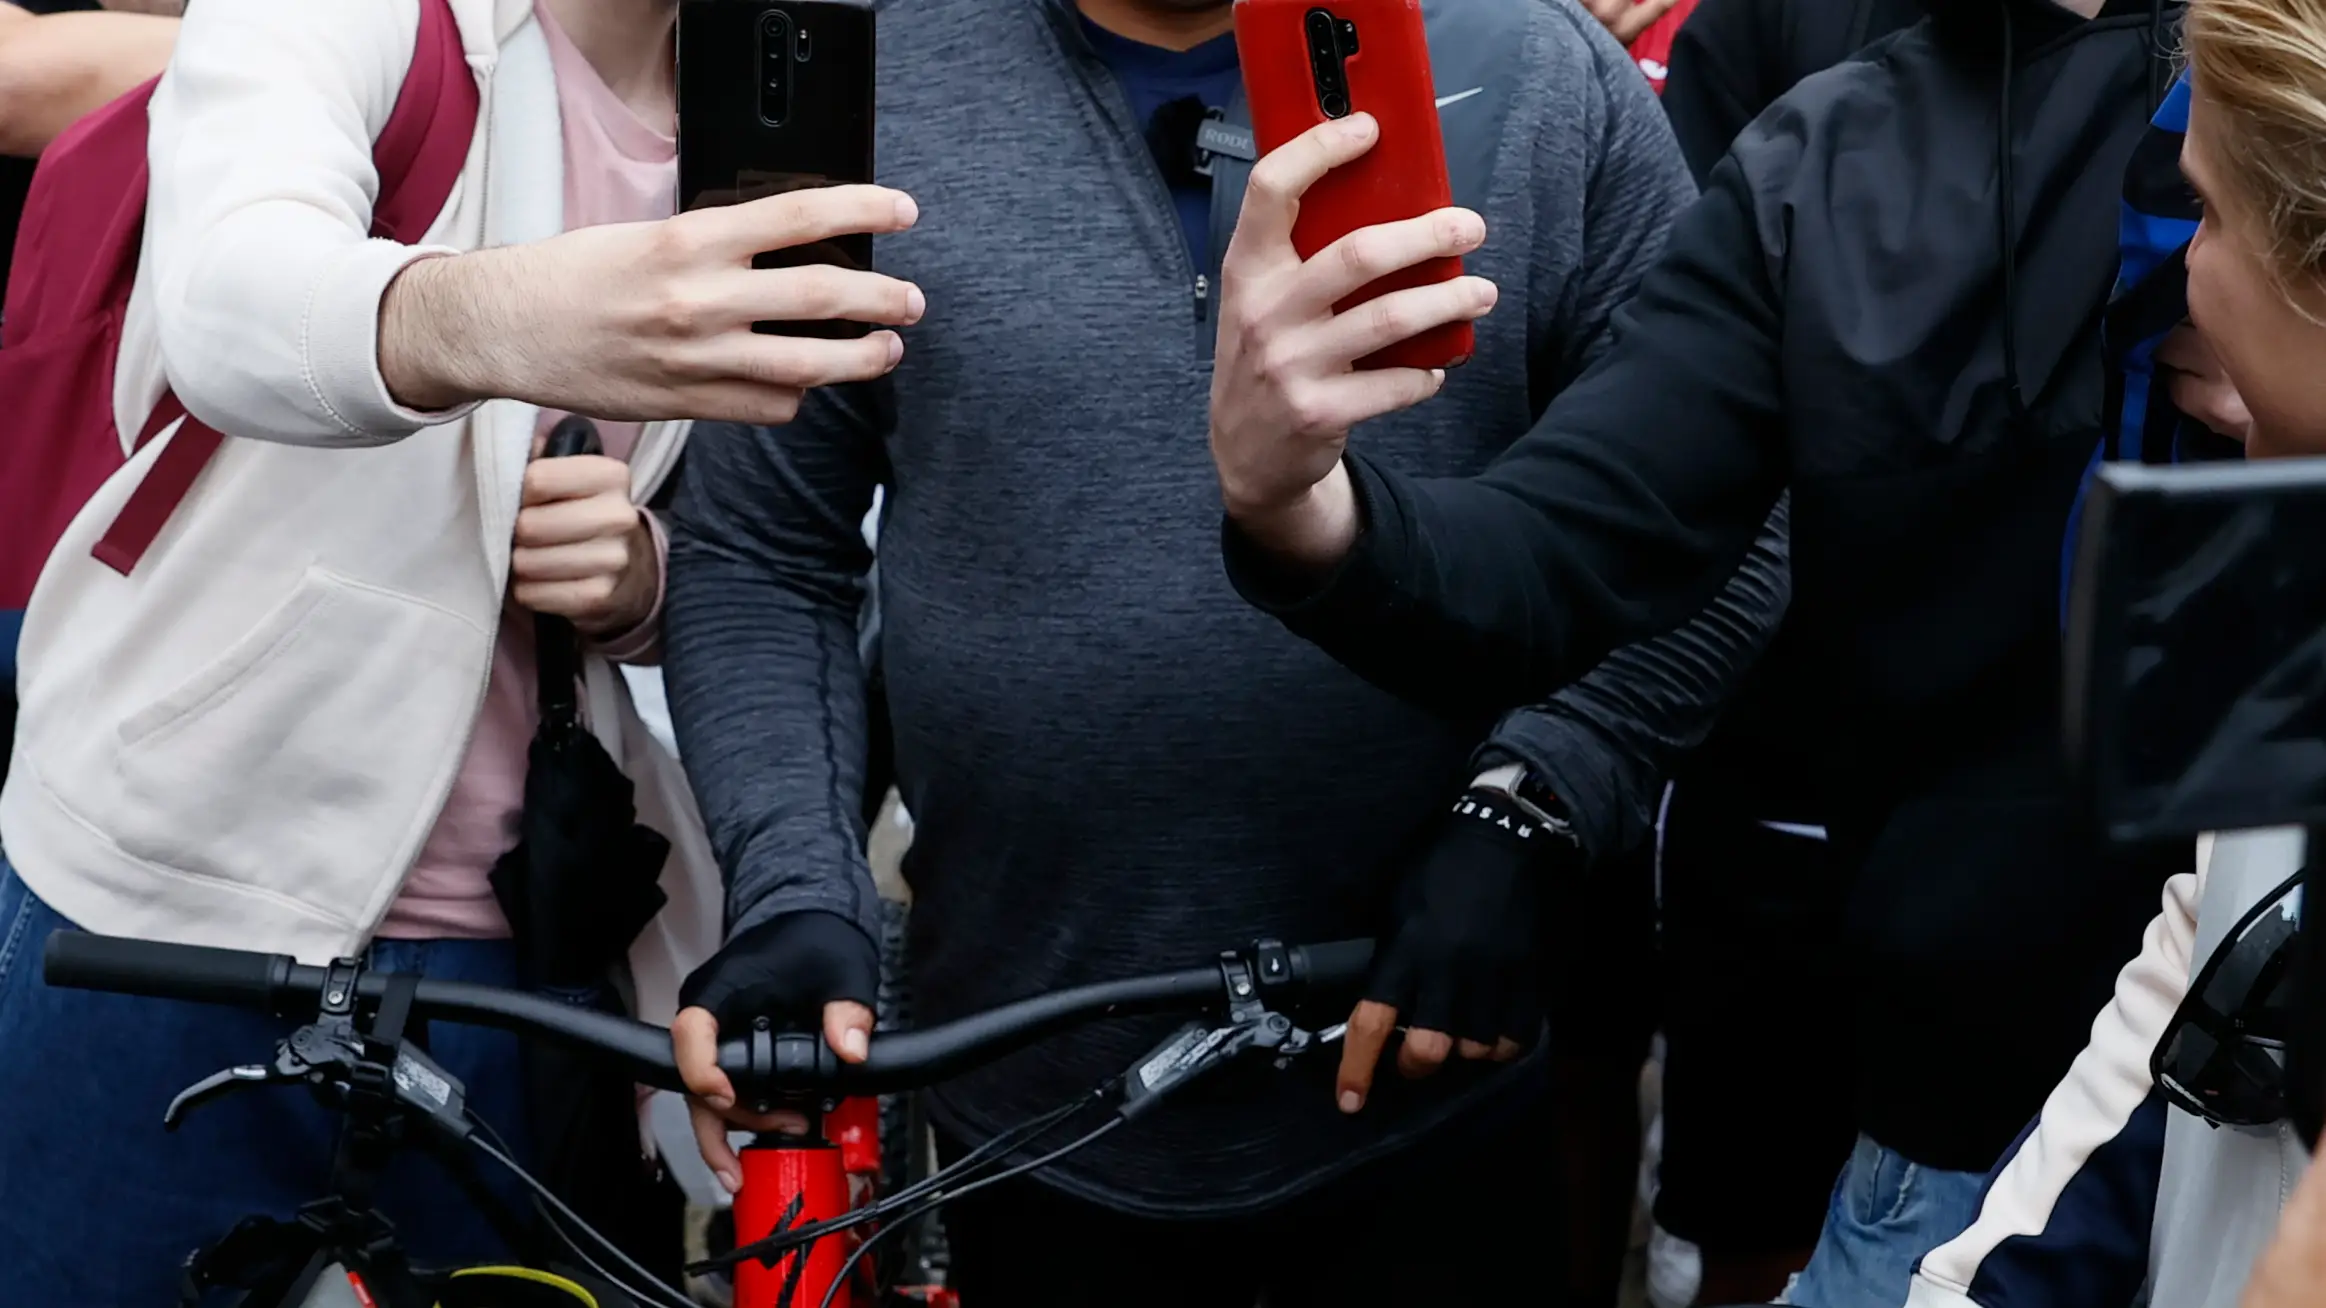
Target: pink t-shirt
617,170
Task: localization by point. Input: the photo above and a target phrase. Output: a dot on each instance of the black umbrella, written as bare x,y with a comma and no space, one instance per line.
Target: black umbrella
586,876
583,881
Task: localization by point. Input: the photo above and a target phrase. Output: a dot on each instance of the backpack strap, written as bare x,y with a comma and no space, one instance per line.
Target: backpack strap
419,156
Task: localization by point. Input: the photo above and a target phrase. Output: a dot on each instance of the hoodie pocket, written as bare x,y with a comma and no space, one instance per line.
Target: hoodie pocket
303,760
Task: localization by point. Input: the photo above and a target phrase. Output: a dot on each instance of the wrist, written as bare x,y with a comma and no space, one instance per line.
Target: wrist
1517,785
432,353
1309,533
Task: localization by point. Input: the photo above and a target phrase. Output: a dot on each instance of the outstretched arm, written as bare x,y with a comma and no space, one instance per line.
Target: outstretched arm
1621,513
56,67
1604,744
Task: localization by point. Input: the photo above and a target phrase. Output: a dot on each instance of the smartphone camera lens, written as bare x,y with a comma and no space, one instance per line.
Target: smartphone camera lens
1320,31
1336,105
776,51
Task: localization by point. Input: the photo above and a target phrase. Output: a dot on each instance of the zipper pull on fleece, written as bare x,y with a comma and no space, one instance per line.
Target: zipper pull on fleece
1202,294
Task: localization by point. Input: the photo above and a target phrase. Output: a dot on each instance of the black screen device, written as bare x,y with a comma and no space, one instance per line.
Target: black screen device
2196,680
2196,648
777,96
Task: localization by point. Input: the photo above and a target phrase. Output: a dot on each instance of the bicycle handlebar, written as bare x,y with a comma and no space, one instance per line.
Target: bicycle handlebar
762,1062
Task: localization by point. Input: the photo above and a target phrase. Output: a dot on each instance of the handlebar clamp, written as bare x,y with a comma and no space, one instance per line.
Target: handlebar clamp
775,1058
339,982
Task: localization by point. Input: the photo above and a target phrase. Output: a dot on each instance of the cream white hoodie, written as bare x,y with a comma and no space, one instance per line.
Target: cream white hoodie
245,742
2112,1190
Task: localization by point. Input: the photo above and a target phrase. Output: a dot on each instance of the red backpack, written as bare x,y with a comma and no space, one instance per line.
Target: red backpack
76,259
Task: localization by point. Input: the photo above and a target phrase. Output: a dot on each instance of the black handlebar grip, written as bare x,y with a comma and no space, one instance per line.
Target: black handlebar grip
77,960
1337,964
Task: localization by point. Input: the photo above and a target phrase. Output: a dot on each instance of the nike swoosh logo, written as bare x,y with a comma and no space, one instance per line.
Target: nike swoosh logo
1445,100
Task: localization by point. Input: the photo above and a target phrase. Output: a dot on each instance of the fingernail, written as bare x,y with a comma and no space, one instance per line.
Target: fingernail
852,1043
1437,376
733,1182
1351,1101
916,304
907,213
896,348
720,1103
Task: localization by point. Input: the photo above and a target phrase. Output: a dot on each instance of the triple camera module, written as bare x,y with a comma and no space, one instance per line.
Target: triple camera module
780,46
1331,40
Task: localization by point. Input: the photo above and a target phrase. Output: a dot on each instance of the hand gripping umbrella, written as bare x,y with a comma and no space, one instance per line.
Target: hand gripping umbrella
583,881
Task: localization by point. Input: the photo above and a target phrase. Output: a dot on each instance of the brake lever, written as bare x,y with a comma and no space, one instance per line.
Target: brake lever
1297,1042
215,1086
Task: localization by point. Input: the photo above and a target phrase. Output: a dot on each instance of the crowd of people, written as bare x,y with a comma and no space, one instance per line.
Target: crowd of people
1729,563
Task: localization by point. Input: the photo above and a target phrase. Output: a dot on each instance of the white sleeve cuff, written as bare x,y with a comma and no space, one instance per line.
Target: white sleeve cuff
341,343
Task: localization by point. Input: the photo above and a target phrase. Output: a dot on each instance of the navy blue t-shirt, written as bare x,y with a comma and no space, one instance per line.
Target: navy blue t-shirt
1153,77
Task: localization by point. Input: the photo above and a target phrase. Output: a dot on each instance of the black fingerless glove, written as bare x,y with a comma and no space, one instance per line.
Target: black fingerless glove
786,968
1460,957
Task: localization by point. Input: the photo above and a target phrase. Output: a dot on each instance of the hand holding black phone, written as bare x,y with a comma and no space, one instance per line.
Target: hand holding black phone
777,96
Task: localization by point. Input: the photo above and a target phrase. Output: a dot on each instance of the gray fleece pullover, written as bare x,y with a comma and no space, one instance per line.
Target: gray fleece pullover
1114,765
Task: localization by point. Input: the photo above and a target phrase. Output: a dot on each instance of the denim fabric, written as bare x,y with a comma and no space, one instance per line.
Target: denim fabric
1886,1213
102,1206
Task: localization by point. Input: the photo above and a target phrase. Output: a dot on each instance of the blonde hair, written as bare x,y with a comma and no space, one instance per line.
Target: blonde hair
2261,67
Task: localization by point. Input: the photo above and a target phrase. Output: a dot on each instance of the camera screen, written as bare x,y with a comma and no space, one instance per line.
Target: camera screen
2197,647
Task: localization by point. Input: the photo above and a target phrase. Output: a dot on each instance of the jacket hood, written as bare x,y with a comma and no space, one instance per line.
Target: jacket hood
1976,27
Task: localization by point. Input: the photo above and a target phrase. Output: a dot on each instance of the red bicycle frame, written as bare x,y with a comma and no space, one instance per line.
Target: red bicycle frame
796,1181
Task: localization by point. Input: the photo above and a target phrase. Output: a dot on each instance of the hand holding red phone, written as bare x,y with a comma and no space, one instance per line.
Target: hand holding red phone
1285,389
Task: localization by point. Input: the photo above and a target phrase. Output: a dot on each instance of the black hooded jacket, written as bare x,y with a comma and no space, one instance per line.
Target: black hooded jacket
1889,298
1734,58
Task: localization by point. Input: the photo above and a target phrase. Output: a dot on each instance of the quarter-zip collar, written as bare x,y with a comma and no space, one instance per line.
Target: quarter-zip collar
1228,179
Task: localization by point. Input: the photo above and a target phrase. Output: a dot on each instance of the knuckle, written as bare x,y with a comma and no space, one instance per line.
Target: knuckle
816,291
1268,185
680,311
1276,364
1249,317
1306,407
1361,253
680,241
1389,318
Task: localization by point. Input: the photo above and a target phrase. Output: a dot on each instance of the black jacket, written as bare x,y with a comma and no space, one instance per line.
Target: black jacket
1836,315
1734,58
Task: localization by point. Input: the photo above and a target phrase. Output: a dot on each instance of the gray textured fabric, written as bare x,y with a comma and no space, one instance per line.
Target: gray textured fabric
1604,743
1114,765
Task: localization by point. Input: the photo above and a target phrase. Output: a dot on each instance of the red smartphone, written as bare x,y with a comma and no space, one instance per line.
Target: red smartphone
1305,62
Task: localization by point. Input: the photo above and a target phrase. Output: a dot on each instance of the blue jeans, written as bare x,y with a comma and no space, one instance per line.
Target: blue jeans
1885,1214
102,1206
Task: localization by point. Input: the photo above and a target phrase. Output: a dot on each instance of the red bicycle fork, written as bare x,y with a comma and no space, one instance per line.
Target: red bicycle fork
796,1181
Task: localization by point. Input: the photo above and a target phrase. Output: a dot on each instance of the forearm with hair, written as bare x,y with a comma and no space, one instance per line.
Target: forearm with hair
445,322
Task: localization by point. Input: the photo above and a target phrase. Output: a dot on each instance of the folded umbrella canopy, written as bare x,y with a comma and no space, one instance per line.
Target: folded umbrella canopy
582,882
586,876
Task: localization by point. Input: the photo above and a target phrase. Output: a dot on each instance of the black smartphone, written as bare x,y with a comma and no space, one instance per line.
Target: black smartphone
2196,648
776,96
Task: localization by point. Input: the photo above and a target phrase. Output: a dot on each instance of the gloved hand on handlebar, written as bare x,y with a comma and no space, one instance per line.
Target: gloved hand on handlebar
796,968
1457,965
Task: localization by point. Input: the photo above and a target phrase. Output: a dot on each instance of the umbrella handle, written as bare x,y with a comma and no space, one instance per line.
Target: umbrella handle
557,647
